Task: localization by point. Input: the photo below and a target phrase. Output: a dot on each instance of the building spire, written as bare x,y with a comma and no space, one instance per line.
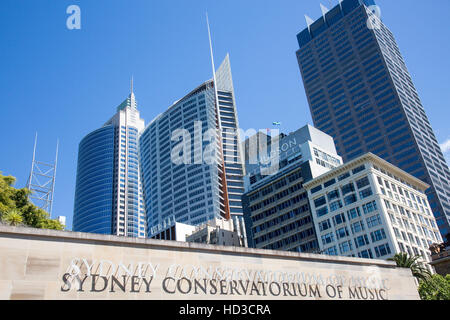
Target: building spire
224,187
132,97
131,86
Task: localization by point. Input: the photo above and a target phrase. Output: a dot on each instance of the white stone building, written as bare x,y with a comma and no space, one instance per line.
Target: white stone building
369,208
218,232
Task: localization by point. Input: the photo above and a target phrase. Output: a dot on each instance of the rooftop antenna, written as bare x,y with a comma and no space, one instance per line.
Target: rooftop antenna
41,181
213,69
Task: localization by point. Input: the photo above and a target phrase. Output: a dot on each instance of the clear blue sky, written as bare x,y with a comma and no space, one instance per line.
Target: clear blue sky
65,83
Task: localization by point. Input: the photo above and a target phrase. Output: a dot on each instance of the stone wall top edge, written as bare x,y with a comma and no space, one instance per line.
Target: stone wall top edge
67,236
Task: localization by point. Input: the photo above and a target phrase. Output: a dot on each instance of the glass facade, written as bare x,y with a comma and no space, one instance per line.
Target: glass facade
108,197
127,187
186,192
193,192
361,93
94,183
277,214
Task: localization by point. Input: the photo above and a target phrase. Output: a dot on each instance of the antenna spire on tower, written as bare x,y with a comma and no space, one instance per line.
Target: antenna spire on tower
211,49
131,86
224,187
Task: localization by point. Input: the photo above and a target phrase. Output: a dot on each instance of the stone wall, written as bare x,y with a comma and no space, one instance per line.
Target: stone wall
44,264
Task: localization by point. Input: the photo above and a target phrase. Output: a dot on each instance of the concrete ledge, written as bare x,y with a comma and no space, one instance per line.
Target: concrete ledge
68,236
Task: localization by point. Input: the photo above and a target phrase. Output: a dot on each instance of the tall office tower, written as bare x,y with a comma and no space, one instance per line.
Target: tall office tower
369,208
361,93
276,208
191,158
108,195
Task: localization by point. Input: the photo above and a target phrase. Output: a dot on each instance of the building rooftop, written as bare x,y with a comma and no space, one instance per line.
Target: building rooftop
374,159
329,18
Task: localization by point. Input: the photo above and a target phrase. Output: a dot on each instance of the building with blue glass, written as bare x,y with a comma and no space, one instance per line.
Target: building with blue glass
94,182
108,194
191,159
361,93
277,211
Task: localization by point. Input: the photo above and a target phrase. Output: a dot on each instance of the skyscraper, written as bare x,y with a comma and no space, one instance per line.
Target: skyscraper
191,158
361,93
108,195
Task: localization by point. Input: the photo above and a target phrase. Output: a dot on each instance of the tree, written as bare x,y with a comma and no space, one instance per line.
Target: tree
435,288
16,209
13,217
35,217
7,194
403,260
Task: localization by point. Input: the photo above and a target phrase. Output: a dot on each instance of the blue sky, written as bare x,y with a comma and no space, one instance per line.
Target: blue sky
65,83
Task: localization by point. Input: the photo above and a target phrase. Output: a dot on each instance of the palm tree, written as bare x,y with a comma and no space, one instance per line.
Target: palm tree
13,217
403,260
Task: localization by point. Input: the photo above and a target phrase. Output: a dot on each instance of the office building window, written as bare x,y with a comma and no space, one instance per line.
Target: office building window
357,227
362,241
338,219
342,233
333,195
348,188
331,251
369,207
361,183
320,202
324,225
365,193
353,213
345,247
383,250
327,238
378,235
373,221
335,205
321,212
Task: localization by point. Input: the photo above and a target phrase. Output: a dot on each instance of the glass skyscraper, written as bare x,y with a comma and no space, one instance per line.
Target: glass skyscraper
94,183
361,93
108,194
196,190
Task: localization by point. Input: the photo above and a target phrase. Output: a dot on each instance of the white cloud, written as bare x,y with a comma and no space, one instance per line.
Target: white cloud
446,146
446,150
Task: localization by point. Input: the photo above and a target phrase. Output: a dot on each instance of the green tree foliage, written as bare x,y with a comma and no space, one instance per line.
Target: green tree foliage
16,209
403,260
435,288
7,194
13,217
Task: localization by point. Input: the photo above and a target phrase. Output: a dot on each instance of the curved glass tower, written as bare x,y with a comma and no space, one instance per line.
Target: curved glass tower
94,184
108,195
